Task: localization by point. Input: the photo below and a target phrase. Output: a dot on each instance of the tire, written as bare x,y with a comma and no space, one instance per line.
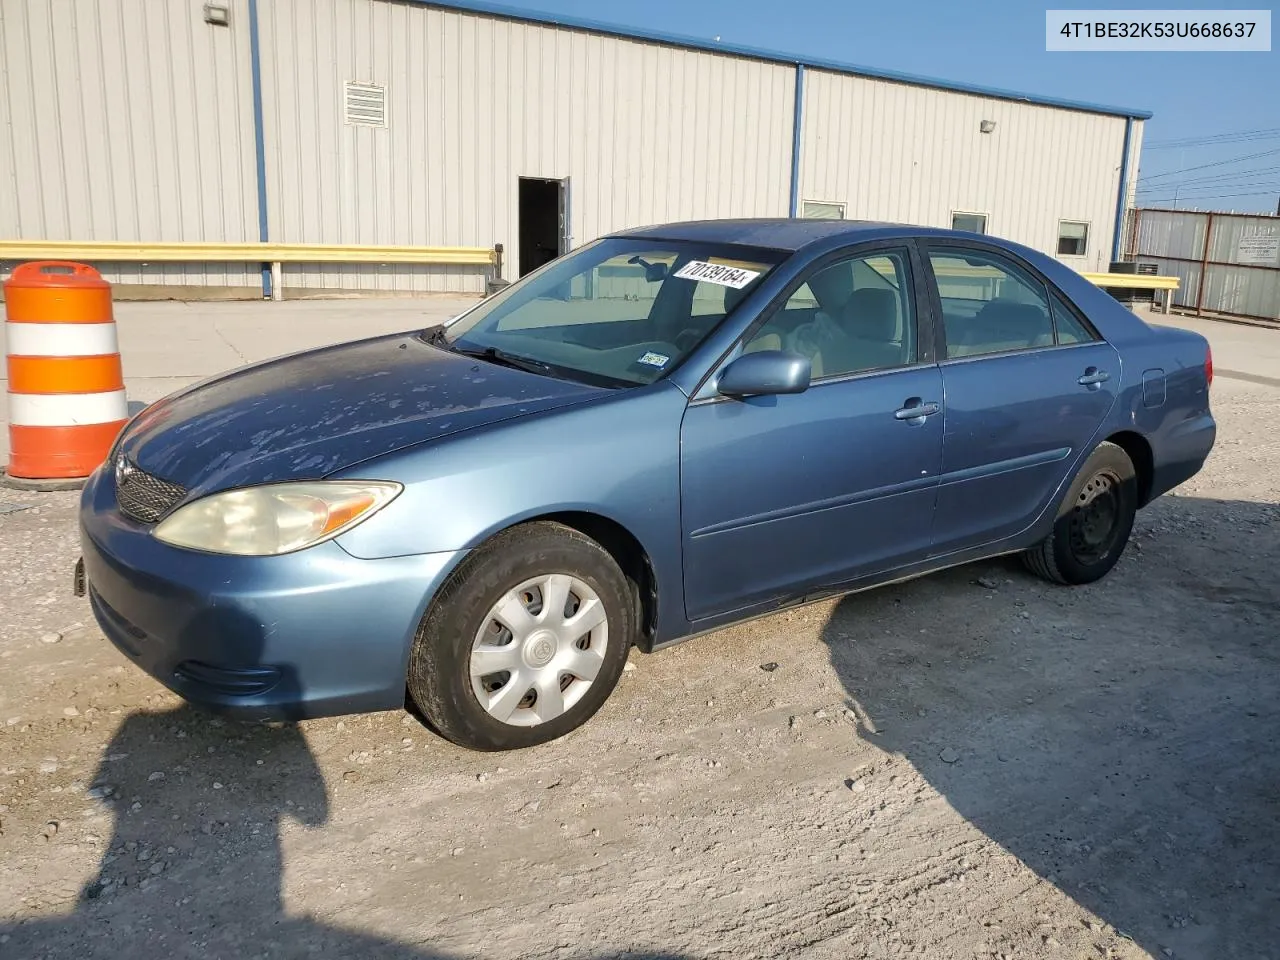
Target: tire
1094,521
491,612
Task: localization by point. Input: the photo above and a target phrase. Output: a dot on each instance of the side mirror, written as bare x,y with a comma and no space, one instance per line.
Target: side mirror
766,373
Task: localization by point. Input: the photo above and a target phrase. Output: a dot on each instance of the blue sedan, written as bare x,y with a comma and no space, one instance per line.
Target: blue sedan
667,431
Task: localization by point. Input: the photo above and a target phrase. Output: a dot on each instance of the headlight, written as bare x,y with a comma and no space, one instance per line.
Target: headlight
274,518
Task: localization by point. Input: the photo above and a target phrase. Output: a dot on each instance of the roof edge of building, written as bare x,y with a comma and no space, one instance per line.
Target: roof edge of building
773,56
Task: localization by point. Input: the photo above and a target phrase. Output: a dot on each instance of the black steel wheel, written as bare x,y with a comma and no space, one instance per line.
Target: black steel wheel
1094,521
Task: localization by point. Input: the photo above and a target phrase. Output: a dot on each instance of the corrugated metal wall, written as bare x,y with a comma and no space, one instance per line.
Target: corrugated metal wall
644,133
128,120
889,151
1131,188
1194,244
133,120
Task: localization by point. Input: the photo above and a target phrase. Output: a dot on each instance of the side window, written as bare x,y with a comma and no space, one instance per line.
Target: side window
1068,327
989,304
852,316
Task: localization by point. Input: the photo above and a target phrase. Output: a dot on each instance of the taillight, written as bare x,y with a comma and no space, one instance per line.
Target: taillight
1208,366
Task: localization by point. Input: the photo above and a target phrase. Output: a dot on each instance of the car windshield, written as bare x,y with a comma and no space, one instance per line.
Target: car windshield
616,312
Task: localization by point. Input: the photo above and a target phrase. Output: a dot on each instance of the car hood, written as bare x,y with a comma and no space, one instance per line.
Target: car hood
307,415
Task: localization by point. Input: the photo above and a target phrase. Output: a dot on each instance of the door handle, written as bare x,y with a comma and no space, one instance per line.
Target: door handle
916,410
1093,376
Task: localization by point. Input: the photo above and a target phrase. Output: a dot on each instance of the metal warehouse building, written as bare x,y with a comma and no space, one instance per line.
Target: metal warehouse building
396,122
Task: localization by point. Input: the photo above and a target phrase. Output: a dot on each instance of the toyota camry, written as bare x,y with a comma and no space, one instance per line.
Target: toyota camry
667,431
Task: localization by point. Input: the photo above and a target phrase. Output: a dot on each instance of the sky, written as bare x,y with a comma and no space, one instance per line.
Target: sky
1214,142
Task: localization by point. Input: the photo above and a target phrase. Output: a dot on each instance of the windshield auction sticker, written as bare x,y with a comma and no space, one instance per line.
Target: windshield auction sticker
716,273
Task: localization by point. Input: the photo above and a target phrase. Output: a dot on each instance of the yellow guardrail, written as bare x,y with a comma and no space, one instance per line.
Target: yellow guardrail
275,254
123,250
1132,281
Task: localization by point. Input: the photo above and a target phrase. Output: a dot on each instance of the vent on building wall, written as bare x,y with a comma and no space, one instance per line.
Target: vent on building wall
365,104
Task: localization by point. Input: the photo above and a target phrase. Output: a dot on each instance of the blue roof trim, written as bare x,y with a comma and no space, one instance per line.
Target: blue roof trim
774,56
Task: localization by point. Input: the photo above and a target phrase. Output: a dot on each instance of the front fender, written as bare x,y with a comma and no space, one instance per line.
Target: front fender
617,457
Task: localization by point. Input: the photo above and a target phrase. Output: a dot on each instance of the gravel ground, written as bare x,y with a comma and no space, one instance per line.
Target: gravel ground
975,764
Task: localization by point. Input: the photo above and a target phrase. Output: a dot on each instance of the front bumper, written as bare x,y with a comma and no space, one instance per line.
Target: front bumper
309,634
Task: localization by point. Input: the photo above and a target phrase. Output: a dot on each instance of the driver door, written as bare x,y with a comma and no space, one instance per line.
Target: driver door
783,494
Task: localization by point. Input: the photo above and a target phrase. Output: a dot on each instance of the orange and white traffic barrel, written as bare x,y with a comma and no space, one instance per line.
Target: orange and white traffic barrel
66,387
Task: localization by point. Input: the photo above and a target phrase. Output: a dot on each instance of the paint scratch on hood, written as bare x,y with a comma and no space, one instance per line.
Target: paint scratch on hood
307,415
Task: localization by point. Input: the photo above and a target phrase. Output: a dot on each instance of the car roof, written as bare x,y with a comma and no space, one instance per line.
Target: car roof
781,233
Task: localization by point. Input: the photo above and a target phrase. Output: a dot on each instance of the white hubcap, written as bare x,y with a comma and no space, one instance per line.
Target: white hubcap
539,649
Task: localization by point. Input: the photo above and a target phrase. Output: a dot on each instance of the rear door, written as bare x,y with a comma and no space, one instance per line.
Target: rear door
1028,383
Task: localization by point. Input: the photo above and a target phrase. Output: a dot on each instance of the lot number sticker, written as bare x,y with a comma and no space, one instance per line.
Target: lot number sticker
716,273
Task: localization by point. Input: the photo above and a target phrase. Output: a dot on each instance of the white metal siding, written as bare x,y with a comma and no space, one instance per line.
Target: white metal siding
645,133
908,154
133,120
128,120
1135,160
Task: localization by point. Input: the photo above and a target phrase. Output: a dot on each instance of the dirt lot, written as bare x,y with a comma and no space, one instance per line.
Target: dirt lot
971,765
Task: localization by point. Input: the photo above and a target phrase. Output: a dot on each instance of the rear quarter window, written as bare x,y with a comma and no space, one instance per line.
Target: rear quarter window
1067,324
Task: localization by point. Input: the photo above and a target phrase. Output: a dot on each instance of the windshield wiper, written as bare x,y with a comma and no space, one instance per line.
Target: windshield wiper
494,355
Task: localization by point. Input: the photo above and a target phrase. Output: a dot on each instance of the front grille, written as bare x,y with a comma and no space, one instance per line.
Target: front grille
141,496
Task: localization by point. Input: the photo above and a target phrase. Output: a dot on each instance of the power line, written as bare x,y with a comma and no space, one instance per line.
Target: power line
1198,187
1236,174
1240,136
1215,196
1198,197
1220,180
1216,163
1216,136
1210,187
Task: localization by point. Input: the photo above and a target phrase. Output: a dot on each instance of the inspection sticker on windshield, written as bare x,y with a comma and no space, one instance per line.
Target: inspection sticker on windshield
652,359
717,273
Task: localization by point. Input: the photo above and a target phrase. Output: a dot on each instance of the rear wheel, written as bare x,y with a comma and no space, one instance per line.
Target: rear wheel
1094,521
525,642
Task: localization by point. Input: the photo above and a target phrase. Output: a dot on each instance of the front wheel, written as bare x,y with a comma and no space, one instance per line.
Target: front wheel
525,642
1094,521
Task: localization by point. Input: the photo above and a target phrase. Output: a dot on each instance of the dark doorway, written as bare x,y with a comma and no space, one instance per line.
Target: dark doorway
541,211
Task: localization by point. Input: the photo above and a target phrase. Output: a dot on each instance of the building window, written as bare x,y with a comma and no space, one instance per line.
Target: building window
822,210
969,222
1073,238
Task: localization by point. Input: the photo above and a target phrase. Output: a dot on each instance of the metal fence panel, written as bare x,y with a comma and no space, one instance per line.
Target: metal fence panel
1228,263
1251,240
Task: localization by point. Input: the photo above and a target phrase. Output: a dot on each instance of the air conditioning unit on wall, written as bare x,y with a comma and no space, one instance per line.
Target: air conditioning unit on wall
1130,295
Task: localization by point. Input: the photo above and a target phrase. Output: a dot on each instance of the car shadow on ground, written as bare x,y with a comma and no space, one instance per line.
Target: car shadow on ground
194,867
1121,741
